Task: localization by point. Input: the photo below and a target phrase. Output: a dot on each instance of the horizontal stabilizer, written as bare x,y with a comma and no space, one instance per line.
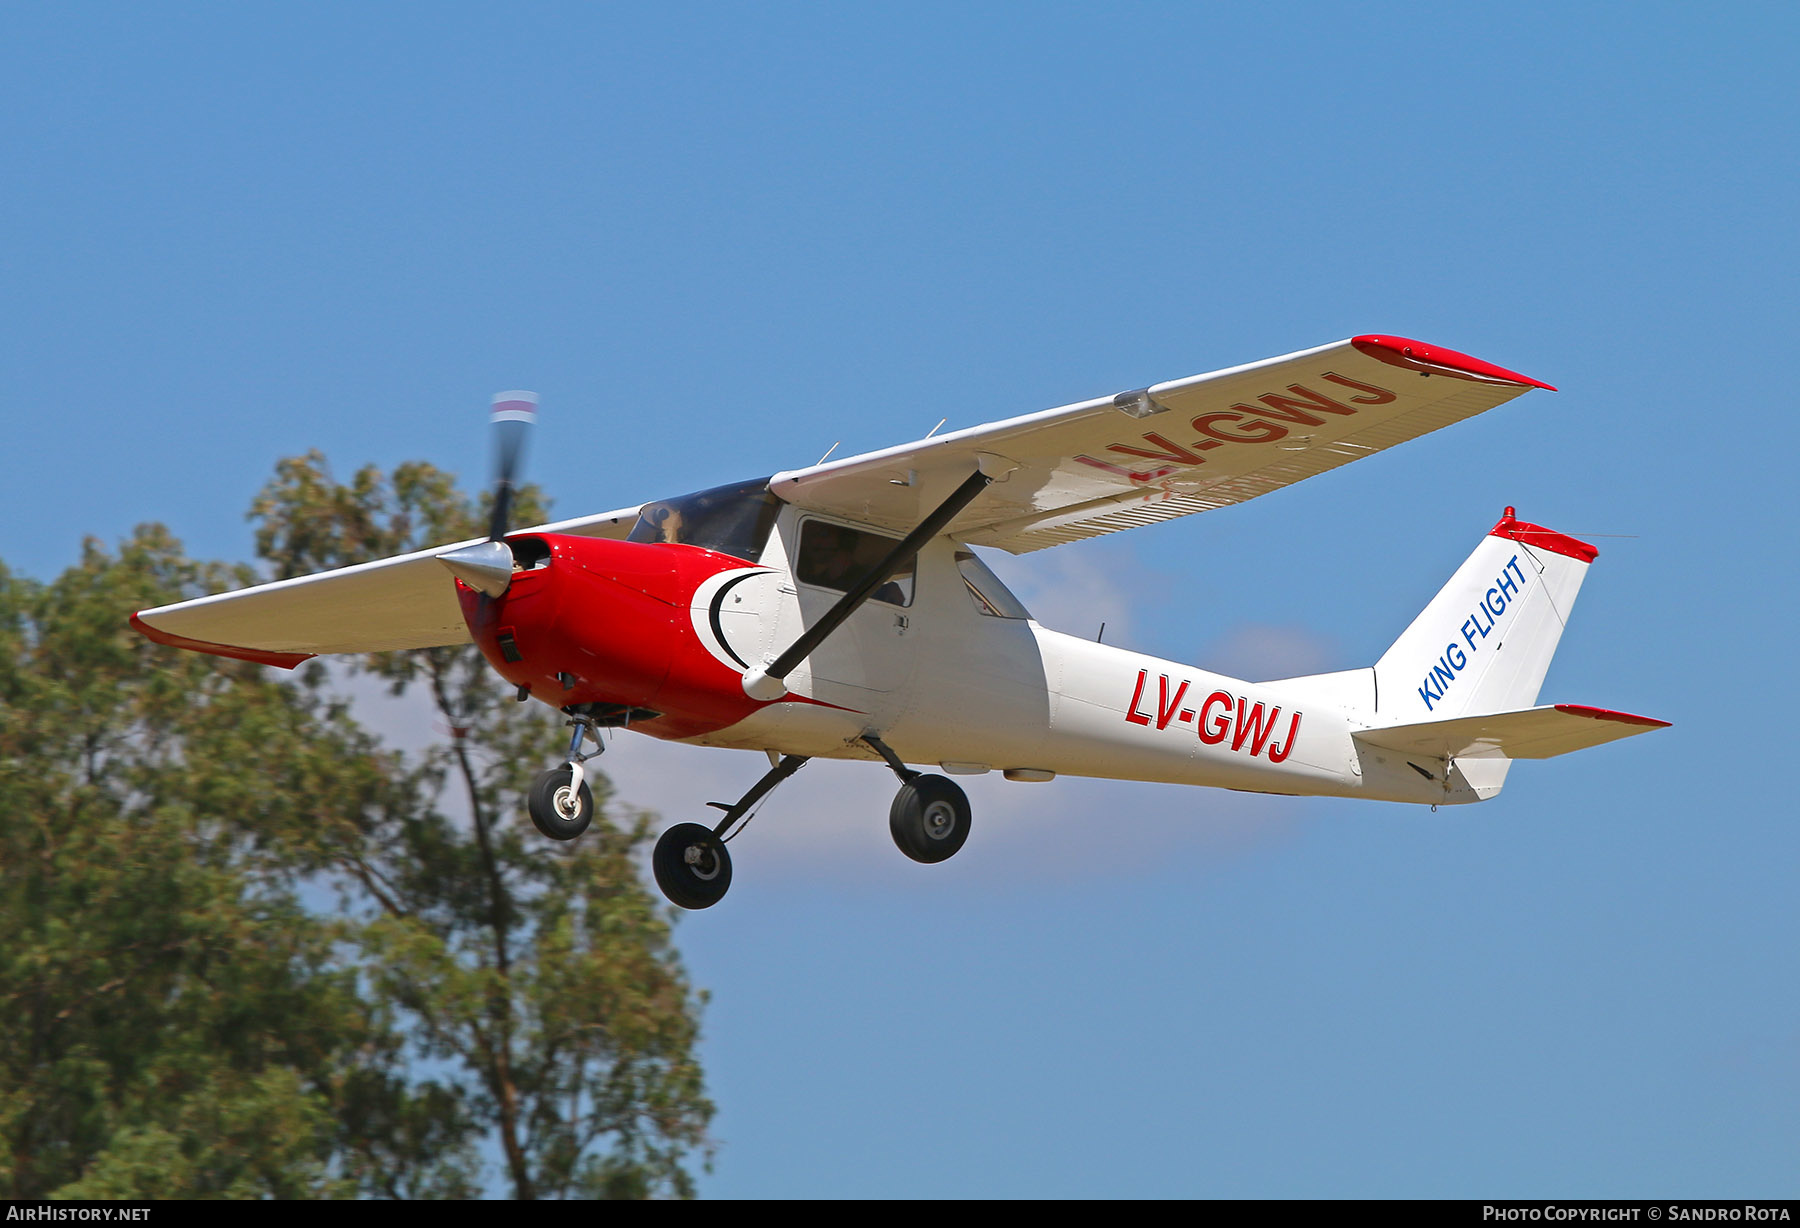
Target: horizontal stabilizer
1532,733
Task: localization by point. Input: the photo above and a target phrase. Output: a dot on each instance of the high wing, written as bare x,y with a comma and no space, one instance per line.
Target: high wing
1111,463
1168,450
403,602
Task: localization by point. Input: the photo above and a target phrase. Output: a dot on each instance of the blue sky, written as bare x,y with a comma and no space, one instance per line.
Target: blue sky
717,239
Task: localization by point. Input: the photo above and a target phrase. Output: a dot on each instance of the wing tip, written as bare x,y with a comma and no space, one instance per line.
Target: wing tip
1435,359
261,656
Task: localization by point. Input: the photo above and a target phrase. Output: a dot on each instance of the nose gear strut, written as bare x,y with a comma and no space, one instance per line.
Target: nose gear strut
560,803
584,725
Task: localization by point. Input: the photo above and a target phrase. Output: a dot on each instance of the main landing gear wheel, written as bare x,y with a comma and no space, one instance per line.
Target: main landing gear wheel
929,818
557,810
691,864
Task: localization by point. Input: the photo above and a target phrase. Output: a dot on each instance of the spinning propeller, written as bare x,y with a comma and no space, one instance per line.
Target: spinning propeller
487,566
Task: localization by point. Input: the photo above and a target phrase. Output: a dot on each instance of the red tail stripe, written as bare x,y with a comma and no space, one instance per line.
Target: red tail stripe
1544,539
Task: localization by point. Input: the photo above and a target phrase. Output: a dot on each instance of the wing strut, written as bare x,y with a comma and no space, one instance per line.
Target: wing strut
768,682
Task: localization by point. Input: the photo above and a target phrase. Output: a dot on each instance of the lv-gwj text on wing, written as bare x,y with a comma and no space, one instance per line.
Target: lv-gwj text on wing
1166,450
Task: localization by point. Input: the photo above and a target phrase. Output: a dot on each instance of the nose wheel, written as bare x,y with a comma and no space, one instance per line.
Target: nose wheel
560,803
560,808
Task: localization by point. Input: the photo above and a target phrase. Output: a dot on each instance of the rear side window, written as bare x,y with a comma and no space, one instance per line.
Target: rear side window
990,596
836,557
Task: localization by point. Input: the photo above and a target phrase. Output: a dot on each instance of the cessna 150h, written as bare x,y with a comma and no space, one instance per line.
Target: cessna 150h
839,611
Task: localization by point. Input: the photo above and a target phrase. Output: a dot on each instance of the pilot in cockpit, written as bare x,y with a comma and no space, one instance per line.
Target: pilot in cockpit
666,519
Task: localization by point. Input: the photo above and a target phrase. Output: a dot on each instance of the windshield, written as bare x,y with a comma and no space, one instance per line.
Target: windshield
734,520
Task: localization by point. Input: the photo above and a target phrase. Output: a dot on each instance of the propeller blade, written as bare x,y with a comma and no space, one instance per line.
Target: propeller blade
514,415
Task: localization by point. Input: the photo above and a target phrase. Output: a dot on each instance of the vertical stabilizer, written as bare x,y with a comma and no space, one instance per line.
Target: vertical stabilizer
1485,641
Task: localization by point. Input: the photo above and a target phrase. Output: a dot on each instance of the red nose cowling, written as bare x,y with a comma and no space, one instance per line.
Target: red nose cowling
613,619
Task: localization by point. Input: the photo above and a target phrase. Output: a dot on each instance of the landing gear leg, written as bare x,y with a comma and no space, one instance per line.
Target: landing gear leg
560,802
690,861
929,819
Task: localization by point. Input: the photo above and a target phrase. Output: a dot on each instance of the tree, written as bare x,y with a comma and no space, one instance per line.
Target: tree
245,950
174,1022
542,973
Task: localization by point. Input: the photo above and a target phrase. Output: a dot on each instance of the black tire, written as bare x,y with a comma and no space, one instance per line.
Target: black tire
553,811
929,818
699,883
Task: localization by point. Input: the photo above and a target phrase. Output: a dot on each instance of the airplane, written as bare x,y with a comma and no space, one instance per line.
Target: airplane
842,611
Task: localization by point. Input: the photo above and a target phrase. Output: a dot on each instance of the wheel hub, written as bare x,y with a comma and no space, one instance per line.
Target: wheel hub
940,820
701,862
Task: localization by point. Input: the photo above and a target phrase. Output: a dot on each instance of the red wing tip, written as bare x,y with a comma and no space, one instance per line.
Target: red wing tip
1607,714
1435,359
281,660
1544,539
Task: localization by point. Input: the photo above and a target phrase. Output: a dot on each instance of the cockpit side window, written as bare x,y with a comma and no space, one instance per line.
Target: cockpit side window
734,520
991,597
835,556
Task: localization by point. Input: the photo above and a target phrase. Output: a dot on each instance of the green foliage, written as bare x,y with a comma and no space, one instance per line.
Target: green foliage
247,951
174,1024
542,972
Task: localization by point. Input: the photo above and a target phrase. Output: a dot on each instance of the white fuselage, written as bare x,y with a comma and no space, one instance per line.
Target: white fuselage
944,683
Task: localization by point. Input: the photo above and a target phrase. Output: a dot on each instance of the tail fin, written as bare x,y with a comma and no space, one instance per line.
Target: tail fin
1485,641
